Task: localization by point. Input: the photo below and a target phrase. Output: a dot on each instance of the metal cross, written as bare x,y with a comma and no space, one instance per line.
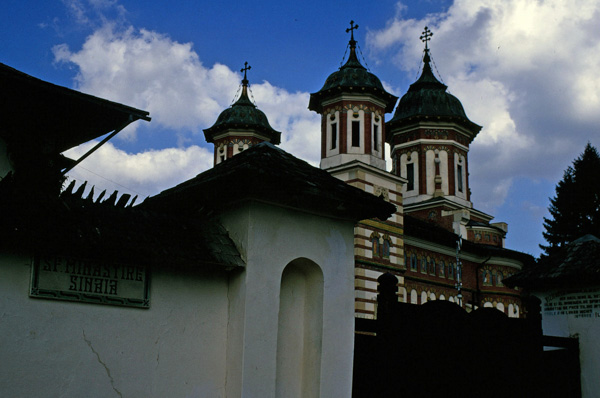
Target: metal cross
351,29
245,68
426,36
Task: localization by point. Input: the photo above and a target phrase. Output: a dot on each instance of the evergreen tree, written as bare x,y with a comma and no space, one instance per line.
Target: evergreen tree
575,210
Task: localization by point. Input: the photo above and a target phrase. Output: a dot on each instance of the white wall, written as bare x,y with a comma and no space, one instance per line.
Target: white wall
271,238
67,349
576,313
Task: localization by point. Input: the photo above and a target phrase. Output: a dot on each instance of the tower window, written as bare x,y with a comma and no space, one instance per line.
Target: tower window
356,134
333,135
459,176
376,137
410,176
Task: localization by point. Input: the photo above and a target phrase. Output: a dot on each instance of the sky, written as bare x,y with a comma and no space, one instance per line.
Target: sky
528,71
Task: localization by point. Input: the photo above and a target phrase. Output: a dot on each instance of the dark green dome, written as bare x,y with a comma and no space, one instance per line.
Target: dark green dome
428,97
243,115
352,77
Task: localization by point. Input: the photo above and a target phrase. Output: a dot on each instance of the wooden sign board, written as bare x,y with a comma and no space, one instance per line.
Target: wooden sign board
90,281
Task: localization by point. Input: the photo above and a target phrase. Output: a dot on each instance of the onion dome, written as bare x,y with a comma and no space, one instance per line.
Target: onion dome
243,115
427,97
352,77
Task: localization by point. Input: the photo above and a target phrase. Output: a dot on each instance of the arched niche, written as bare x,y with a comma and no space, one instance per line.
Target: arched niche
300,330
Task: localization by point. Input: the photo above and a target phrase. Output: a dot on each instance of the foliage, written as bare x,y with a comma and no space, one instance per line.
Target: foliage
575,210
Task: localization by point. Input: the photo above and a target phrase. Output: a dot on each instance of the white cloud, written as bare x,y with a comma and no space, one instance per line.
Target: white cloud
145,174
150,71
524,69
288,113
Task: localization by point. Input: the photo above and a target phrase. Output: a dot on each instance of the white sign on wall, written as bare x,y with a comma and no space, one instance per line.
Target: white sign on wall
92,281
581,303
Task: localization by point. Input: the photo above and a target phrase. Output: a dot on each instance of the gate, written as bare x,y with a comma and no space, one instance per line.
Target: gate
439,350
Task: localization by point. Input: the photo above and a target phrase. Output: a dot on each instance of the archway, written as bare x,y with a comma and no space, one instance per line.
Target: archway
300,330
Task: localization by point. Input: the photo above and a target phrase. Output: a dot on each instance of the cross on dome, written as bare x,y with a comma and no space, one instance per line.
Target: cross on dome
425,37
245,69
351,30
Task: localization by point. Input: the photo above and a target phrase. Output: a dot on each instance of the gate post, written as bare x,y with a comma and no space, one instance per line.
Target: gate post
387,300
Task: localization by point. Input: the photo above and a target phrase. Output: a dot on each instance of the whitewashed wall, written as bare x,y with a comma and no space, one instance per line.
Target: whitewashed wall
264,360
576,313
66,349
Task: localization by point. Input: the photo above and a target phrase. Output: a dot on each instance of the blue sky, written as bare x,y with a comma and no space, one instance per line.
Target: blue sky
526,70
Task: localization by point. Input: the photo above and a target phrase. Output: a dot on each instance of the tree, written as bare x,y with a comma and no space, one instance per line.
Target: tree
575,210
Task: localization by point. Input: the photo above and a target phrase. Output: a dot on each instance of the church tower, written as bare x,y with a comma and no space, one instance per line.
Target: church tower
429,137
240,126
352,105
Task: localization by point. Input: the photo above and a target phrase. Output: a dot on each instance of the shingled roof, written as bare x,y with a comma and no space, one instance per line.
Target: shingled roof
576,265
35,111
417,228
268,174
70,225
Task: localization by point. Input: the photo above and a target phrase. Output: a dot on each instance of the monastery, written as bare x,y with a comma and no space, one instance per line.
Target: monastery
244,281
436,243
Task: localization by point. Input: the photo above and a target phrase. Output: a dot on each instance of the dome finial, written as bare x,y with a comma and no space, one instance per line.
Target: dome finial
425,37
245,69
351,30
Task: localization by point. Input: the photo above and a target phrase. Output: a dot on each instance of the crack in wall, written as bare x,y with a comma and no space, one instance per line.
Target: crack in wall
112,381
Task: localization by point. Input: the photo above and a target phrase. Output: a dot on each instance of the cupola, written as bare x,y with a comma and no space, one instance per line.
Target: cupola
429,136
352,104
240,126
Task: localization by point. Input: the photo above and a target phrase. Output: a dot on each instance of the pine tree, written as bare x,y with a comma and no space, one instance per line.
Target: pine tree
575,209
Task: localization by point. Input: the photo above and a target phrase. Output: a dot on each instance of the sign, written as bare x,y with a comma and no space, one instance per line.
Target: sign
583,303
91,281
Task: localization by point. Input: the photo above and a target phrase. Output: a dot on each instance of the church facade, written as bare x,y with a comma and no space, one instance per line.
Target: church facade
437,244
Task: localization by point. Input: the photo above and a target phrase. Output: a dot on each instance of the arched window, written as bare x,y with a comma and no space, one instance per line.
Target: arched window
432,296
451,270
487,277
423,297
499,278
413,296
432,267
442,297
424,264
442,268
376,247
386,247
403,295
413,262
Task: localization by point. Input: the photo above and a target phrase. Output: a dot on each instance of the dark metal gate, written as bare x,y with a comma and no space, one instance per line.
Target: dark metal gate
439,350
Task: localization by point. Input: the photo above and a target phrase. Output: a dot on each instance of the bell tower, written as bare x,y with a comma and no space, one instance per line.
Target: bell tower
429,137
352,104
239,127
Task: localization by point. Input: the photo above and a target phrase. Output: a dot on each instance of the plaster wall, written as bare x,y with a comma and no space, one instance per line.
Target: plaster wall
270,239
176,348
576,313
